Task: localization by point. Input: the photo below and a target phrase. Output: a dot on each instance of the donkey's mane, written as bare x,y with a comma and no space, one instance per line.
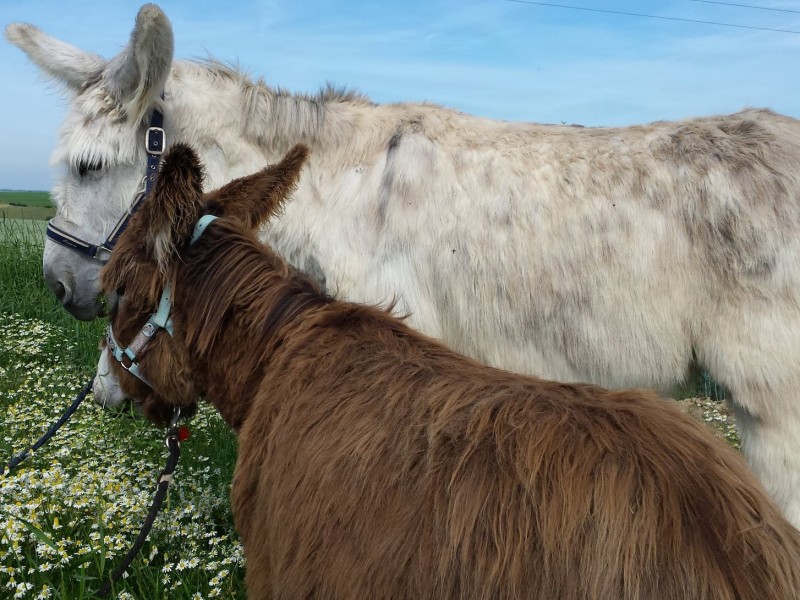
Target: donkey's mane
255,89
329,92
230,274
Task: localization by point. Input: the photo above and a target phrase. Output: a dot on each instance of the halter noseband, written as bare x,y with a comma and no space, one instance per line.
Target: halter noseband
154,143
158,320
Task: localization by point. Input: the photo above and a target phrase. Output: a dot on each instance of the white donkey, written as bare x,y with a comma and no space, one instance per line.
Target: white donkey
616,256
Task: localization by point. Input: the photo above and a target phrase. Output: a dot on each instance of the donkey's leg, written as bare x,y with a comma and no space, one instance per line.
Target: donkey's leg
755,352
772,448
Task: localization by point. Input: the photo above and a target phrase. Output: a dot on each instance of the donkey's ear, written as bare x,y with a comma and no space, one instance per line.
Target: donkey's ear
136,76
57,59
169,216
255,198
146,249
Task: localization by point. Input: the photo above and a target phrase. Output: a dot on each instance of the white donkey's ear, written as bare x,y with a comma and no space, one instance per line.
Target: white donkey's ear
136,76
57,59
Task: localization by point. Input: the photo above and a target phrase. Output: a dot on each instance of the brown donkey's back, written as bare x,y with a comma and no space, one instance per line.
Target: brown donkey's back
376,463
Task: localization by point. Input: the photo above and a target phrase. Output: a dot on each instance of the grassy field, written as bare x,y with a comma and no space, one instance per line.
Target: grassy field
22,198
14,229
70,513
26,205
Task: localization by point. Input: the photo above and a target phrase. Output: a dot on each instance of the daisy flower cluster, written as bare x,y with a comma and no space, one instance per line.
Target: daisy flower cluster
71,511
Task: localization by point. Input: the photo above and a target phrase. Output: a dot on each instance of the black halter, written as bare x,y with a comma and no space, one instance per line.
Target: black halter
155,142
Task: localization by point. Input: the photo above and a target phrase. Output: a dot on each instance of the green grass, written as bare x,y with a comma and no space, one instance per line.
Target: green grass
21,198
69,513
39,213
26,205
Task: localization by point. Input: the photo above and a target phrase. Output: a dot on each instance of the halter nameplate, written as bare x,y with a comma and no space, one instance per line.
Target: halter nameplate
141,340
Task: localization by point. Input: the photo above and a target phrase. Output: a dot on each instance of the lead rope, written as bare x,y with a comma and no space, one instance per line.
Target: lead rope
172,440
21,456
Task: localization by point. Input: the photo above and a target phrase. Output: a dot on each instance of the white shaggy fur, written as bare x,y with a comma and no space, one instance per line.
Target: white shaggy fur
617,256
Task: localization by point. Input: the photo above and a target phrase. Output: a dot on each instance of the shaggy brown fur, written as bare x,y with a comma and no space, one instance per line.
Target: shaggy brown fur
376,463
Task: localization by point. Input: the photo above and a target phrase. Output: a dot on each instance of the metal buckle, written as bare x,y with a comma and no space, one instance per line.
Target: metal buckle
112,346
103,253
157,143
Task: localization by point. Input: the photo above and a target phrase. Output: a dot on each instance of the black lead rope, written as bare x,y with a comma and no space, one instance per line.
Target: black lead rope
173,444
172,441
21,456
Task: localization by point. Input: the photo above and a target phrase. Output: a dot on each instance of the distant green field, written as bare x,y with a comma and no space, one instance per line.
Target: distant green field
37,213
26,198
26,205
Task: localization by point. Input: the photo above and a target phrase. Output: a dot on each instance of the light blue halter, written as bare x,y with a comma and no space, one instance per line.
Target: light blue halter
158,320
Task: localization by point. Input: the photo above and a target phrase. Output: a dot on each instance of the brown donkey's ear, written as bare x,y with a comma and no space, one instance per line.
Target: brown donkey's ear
176,204
255,198
165,219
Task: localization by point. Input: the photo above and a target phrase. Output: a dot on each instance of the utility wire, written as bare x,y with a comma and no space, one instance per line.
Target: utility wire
788,10
630,14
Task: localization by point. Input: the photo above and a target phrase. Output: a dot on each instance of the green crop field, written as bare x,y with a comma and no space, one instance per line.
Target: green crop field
25,198
16,232
26,205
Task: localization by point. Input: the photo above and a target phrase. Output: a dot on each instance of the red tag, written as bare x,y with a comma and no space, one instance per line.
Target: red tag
183,433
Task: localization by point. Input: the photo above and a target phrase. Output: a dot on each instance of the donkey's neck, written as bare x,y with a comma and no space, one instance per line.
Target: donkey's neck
237,125
234,299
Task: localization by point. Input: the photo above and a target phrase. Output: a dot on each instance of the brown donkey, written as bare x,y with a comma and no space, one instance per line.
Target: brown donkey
376,463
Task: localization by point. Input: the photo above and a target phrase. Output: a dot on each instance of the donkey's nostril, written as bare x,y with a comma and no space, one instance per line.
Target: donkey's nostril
59,290
58,285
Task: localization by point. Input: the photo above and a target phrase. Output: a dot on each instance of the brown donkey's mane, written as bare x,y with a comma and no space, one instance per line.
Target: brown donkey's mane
230,278
375,462
229,272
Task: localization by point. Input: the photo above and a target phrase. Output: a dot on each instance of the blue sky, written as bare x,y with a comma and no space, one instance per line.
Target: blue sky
496,58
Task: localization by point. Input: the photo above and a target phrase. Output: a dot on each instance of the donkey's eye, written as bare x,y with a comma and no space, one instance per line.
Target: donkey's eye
85,167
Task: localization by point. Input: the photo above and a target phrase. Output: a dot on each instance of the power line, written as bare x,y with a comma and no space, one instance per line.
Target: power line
630,14
788,10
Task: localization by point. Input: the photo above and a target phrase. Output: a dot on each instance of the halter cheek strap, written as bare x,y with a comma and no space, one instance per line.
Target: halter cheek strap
161,319
154,144
158,320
